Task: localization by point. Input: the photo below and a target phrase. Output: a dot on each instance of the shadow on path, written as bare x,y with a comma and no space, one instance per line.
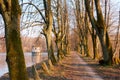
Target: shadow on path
76,68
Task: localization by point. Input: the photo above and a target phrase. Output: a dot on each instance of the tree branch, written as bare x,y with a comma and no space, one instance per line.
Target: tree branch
38,10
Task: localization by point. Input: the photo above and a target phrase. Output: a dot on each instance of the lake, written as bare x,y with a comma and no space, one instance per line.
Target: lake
28,60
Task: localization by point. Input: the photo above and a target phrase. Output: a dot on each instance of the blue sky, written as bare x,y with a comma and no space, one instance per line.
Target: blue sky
115,9
34,31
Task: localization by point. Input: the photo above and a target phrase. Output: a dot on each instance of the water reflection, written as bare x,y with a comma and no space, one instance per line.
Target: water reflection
3,64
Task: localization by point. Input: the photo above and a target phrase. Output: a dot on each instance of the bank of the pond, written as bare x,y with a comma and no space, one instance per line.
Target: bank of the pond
29,70
68,70
75,67
28,61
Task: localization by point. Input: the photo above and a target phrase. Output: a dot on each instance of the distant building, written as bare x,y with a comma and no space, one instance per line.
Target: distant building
36,54
36,51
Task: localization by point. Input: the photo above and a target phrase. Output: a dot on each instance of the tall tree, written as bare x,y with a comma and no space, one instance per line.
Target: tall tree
47,27
11,12
94,36
100,26
58,29
82,26
66,28
61,30
48,30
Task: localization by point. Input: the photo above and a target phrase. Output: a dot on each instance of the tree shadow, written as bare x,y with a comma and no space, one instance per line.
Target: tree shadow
48,77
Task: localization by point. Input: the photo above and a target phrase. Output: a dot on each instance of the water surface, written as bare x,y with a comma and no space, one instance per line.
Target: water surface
3,64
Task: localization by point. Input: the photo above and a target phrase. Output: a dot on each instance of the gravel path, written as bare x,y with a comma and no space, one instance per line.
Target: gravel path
73,67
76,69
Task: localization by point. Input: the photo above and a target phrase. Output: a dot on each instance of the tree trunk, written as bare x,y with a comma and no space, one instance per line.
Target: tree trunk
106,49
11,13
67,43
86,34
60,55
15,57
95,46
50,47
101,31
48,30
65,29
86,47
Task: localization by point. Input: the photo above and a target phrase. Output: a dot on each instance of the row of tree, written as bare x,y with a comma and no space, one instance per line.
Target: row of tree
55,19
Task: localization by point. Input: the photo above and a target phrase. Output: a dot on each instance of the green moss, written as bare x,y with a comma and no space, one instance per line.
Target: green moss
15,55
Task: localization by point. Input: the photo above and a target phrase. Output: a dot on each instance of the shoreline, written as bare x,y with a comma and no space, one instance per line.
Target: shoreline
29,70
28,61
77,69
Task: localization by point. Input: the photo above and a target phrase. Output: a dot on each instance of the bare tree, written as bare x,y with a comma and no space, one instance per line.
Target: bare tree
48,29
47,26
101,30
65,29
11,12
57,30
82,26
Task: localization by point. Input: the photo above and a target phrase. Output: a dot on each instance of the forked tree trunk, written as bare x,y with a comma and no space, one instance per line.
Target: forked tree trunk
59,37
94,36
48,30
15,57
106,49
103,35
101,31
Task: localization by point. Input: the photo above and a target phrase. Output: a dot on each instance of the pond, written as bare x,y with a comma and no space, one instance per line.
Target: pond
28,60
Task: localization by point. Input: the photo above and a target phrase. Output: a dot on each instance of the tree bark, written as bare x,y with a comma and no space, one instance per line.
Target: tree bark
11,13
50,48
101,31
60,54
95,46
48,30
86,34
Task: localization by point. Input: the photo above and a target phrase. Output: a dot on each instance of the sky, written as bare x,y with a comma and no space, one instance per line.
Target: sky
35,31
115,8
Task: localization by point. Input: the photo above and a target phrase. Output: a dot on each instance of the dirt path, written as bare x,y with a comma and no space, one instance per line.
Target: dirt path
76,69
